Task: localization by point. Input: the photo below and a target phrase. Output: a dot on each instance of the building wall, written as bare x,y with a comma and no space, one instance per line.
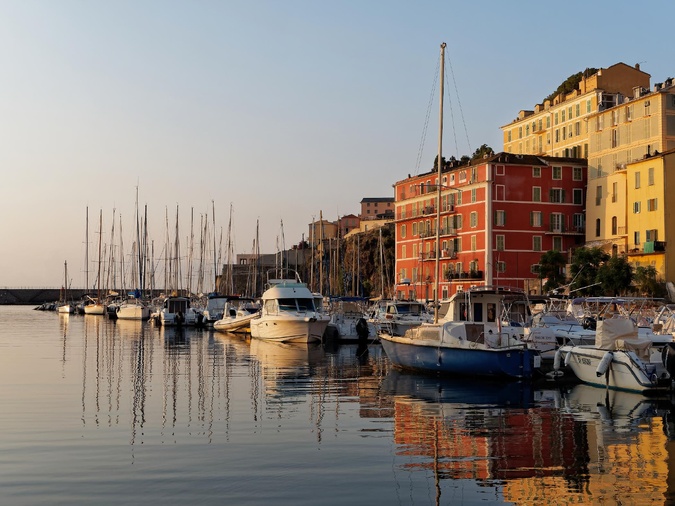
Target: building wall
486,229
559,127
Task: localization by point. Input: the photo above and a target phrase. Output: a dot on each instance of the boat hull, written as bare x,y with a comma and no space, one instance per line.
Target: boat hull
289,330
95,309
133,312
512,362
622,373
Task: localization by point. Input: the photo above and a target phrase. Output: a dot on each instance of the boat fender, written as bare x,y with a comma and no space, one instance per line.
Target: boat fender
557,358
604,364
568,357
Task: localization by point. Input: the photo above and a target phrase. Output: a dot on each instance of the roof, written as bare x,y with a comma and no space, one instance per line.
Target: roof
377,199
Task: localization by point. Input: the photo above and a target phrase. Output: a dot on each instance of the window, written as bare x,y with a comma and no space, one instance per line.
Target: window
557,172
557,195
555,118
556,222
557,243
629,112
562,115
474,174
403,231
501,266
577,174
499,170
500,218
536,171
577,108
536,194
473,219
637,179
403,252
459,198
650,176
578,221
637,207
652,235
615,191
615,138
536,243
636,238
597,227
414,228
473,243
598,195
535,218
473,194
500,242
588,106
651,205
534,268
577,196
614,225
508,136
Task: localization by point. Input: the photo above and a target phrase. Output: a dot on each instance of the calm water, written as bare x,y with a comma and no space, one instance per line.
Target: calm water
97,412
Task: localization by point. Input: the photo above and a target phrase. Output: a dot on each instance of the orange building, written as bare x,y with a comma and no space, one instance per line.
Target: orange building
497,218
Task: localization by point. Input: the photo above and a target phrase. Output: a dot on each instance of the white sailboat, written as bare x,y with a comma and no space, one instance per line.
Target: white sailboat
96,306
65,306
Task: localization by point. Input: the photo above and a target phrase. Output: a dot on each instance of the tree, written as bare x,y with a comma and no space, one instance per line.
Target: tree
551,266
615,276
646,282
584,270
571,83
482,151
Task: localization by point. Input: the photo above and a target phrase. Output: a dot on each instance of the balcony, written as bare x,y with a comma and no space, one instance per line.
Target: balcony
561,229
648,248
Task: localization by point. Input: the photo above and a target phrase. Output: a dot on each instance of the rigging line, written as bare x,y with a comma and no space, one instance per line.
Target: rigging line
420,149
452,117
459,103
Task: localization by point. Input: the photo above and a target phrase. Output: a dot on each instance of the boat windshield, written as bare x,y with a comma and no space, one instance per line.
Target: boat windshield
296,304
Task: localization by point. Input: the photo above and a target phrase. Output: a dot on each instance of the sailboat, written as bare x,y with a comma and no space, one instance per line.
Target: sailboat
96,306
461,347
65,306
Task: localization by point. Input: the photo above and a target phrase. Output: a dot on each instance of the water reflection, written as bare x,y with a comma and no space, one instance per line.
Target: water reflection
576,445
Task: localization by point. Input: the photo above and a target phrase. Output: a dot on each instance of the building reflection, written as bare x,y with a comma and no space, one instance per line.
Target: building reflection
579,445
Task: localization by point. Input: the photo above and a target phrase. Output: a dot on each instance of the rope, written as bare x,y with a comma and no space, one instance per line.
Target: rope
420,150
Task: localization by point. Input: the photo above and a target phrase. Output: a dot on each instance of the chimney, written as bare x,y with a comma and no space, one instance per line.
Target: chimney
637,66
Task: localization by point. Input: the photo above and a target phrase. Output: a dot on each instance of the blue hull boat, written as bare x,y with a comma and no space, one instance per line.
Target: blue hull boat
461,348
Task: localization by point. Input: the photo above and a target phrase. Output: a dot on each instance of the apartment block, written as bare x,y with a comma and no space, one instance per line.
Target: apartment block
558,127
497,217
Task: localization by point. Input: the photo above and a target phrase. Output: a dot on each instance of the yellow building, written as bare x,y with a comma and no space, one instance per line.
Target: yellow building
651,218
625,207
557,127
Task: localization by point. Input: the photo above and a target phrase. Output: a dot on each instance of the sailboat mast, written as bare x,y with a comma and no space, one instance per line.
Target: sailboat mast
98,276
438,184
86,255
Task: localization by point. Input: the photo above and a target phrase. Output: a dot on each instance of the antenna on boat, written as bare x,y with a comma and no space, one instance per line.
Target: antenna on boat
438,185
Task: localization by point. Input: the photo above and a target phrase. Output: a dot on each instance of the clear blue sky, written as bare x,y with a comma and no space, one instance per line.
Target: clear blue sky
281,109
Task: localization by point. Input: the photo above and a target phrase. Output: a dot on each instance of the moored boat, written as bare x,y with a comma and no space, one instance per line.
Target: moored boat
288,313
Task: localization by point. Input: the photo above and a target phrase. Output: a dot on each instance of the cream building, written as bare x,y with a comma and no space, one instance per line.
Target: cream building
558,127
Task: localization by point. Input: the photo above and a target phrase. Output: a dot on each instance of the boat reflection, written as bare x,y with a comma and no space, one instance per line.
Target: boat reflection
533,444
283,364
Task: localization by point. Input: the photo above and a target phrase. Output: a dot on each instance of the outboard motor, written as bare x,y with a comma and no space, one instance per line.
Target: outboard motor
668,358
588,323
362,329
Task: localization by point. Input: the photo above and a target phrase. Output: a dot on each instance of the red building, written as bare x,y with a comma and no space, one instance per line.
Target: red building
497,218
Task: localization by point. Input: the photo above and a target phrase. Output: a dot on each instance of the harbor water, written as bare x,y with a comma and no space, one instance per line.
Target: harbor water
94,411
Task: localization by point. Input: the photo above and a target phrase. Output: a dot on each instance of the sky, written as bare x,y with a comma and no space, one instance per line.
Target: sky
270,112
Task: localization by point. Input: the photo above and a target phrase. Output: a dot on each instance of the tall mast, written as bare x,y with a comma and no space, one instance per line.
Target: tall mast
138,245
86,254
98,277
438,184
215,261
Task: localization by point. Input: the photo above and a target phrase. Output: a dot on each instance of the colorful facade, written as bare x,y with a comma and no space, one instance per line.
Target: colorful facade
497,217
558,126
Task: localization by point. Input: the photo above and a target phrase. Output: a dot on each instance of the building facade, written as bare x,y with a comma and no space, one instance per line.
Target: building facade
558,127
373,208
497,217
